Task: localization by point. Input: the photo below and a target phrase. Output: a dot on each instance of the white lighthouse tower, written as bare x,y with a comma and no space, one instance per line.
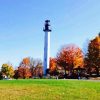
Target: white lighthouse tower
47,31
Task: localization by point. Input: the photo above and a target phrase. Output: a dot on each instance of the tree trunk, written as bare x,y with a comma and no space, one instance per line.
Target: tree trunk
97,71
65,74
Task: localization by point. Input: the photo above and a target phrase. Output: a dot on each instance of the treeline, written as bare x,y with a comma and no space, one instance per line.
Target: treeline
70,62
28,68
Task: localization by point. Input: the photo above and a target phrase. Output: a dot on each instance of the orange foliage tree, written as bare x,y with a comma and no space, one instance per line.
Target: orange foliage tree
24,72
24,69
26,61
70,57
53,65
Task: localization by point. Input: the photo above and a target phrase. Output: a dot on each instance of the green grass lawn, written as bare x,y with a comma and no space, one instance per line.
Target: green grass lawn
48,89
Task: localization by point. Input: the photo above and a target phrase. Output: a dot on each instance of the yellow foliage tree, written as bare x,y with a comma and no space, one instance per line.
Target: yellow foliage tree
7,70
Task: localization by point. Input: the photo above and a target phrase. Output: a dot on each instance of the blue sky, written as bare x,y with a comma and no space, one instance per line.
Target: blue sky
22,21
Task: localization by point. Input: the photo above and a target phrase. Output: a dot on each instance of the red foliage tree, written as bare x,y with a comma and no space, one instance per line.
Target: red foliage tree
92,58
38,72
24,72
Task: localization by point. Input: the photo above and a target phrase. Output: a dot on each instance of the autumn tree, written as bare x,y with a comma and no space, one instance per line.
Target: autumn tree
24,69
24,72
92,59
69,57
37,68
7,70
52,66
38,72
29,67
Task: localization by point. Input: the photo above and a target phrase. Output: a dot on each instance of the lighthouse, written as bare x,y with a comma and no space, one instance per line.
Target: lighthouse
47,31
